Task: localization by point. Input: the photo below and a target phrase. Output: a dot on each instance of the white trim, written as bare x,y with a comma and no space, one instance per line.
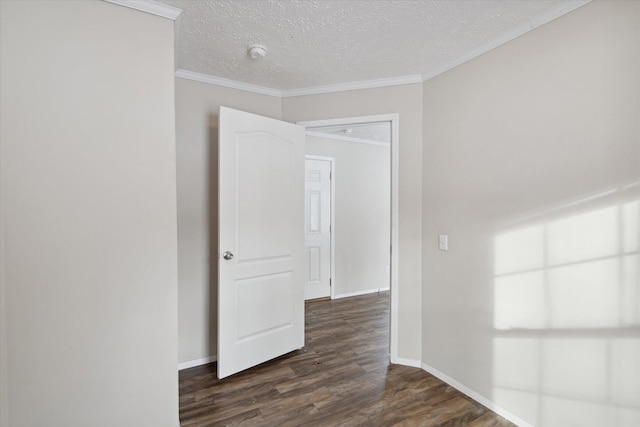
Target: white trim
314,157
218,81
532,24
197,362
263,90
477,397
150,6
395,200
407,362
395,236
311,124
358,293
177,25
342,87
347,138
332,162
562,9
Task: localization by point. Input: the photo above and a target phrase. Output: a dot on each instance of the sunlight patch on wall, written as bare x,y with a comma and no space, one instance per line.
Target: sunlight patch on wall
585,295
580,271
582,237
566,350
519,250
631,226
520,301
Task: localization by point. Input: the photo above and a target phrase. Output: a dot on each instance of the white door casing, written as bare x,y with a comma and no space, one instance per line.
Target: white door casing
317,227
261,229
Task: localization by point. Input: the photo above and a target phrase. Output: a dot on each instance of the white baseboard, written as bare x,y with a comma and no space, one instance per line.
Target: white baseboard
355,294
475,396
406,362
197,362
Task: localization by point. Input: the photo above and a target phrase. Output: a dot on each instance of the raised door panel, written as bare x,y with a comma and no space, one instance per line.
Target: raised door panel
261,228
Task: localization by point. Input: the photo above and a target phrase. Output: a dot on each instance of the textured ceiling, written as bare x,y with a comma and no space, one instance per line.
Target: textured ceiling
322,42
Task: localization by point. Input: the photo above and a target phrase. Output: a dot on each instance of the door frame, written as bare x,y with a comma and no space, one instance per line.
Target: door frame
332,243
394,120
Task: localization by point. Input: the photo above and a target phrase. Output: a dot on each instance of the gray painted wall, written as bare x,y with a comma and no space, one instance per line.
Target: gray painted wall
88,216
197,106
532,167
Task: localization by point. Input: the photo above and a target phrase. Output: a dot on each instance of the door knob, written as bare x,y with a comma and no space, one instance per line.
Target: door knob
227,255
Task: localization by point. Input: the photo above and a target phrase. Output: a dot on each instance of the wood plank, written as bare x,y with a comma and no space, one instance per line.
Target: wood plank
342,377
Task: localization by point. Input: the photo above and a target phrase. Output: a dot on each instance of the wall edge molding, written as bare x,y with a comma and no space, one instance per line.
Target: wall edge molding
476,396
233,84
197,362
530,25
150,6
263,90
414,363
343,87
557,12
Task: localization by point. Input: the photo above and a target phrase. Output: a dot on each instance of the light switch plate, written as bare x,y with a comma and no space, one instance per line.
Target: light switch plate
443,242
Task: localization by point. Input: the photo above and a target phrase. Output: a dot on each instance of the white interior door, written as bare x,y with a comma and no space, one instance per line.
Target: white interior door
317,228
261,246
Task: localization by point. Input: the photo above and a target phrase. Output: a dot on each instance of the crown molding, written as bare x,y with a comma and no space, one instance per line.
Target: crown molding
150,6
262,90
342,87
530,25
218,81
562,9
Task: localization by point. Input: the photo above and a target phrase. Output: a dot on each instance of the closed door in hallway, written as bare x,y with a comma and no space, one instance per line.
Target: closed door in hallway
317,227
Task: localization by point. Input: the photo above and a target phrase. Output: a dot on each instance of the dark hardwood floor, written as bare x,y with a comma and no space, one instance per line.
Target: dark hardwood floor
342,377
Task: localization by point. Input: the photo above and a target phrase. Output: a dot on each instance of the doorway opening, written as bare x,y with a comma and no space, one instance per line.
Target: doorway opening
373,129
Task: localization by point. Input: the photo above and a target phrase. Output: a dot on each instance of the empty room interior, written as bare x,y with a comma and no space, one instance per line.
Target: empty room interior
170,242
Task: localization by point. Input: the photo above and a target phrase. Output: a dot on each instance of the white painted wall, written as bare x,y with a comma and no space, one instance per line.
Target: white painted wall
197,106
88,216
531,165
407,101
362,213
